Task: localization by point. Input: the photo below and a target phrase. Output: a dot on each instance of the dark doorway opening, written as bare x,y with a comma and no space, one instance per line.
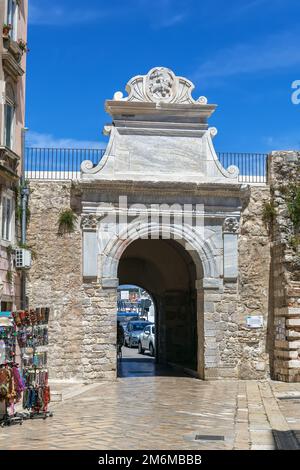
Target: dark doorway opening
168,273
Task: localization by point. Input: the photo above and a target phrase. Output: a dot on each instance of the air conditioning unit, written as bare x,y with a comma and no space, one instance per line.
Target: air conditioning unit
22,258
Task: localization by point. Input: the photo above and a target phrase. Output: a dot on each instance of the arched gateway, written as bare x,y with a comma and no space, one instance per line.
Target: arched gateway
160,211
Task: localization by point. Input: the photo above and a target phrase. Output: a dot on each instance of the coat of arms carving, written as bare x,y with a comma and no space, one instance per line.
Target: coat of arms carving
160,84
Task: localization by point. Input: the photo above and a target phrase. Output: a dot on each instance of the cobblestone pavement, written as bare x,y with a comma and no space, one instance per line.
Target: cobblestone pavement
164,411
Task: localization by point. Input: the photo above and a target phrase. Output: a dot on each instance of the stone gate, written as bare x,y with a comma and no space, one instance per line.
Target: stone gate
160,211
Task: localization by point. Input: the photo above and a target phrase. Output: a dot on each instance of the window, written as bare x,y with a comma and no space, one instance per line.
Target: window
12,17
7,217
9,112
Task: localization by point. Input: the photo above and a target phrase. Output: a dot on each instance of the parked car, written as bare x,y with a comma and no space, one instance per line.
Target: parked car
125,317
147,340
133,331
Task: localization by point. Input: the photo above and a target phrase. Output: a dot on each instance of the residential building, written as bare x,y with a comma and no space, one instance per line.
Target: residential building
13,48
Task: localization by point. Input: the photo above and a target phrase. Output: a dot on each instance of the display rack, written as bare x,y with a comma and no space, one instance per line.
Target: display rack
32,334
11,385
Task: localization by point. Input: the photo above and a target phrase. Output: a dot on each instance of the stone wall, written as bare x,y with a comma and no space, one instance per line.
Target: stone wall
83,322
284,169
78,311
243,352
253,288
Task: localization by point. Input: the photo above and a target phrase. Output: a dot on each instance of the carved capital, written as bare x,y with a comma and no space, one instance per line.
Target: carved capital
90,222
231,225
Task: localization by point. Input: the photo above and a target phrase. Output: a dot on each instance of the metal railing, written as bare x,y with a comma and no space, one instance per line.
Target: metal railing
64,164
252,166
58,163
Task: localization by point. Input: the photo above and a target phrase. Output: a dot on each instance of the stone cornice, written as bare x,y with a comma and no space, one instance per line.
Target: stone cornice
158,109
163,187
95,212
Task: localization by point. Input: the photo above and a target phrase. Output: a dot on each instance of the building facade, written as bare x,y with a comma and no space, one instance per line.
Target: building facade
13,48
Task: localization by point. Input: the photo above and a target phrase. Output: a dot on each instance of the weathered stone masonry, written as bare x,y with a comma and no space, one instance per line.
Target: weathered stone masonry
284,169
229,267
82,326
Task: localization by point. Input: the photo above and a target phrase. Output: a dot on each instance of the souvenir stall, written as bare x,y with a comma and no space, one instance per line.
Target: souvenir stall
24,335
11,383
32,335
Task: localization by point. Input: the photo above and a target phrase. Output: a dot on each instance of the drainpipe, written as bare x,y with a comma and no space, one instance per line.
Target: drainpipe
24,199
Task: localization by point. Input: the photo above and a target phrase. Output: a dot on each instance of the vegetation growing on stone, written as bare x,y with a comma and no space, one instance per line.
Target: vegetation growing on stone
9,277
269,212
67,221
293,204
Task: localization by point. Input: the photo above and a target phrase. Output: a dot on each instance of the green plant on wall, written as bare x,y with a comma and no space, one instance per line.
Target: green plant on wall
10,250
29,248
293,205
67,221
295,242
19,214
269,213
9,277
18,192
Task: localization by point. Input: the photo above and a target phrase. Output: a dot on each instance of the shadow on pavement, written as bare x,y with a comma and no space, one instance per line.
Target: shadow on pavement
133,364
286,440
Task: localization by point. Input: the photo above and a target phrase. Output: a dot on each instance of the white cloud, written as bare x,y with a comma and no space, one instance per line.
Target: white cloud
244,7
170,21
53,13
283,142
44,12
36,139
277,51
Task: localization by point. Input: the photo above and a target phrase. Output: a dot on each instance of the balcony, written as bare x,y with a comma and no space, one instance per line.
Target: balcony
64,164
9,162
11,57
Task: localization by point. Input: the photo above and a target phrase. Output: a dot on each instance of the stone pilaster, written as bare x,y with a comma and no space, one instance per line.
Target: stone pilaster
99,328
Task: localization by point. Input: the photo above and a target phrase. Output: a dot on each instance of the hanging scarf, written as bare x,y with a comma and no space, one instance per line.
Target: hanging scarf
18,382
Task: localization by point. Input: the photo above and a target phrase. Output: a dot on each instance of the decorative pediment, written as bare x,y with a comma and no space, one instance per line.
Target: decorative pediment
159,132
160,85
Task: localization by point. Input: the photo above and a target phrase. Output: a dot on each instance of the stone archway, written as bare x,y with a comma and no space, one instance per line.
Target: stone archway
198,254
160,178
168,272
201,251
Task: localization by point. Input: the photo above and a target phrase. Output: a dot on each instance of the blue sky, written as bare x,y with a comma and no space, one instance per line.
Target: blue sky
242,55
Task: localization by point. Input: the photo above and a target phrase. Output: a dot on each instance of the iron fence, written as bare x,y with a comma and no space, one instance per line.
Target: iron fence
252,166
58,163
64,164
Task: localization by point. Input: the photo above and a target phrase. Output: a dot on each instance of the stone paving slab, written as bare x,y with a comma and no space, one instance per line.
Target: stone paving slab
164,413
140,413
